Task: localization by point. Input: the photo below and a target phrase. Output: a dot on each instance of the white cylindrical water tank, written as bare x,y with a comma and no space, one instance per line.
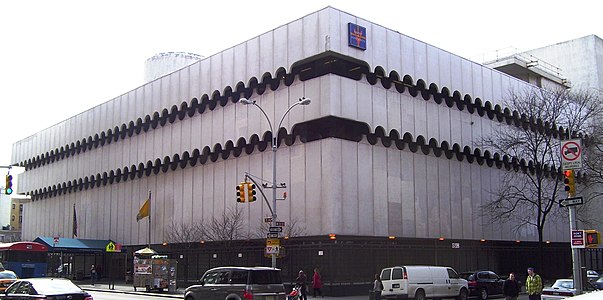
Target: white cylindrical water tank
165,63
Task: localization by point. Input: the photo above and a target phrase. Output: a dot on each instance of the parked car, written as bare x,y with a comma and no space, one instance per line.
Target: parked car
596,295
592,275
422,282
563,288
44,288
483,283
7,278
598,283
258,283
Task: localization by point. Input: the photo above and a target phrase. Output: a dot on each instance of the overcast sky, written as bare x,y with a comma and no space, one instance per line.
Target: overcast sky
59,58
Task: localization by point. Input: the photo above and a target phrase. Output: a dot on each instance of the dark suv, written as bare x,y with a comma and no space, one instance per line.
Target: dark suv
258,283
483,283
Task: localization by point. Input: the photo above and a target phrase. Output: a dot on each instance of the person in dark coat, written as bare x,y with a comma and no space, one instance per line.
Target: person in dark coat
301,281
511,288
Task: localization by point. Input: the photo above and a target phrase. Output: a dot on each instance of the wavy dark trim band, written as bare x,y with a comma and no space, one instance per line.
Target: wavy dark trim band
327,127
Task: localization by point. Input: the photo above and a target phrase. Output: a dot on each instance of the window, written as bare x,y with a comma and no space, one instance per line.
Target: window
210,278
21,207
266,277
238,277
222,277
12,218
385,274
452,273
14,206
397,274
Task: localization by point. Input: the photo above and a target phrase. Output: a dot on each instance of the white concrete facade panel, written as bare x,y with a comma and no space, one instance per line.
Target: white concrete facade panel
334,185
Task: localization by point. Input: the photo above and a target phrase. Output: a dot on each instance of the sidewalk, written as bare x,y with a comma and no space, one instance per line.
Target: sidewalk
121,287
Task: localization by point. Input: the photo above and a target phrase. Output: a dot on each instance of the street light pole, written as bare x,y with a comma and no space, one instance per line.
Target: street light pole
302,101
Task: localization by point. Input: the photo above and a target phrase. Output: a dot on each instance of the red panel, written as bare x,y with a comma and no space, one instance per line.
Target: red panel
24,246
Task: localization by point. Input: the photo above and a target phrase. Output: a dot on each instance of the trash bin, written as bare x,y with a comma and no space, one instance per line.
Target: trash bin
371,295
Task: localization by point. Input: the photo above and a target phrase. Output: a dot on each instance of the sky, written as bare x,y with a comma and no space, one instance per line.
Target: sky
59,58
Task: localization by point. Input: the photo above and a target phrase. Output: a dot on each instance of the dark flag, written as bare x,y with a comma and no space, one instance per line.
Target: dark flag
74,223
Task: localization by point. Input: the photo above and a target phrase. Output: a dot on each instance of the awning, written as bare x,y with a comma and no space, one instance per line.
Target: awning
73,245
145,251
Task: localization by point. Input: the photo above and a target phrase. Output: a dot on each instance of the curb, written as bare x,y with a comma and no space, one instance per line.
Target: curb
120,291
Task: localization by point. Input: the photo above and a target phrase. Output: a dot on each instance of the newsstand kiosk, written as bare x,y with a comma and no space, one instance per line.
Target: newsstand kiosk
153,271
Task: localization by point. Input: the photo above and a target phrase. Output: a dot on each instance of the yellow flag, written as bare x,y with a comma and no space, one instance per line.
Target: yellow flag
145,210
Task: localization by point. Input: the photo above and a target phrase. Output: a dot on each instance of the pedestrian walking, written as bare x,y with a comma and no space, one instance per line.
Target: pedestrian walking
511,288
533,285
92,275
317,283
301,281
377,287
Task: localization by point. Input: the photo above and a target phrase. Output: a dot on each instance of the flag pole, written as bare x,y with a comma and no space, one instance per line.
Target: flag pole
149,239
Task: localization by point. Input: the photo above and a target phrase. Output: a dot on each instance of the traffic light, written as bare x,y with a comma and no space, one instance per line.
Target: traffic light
251,192
593,238
570,182
8,187
241,192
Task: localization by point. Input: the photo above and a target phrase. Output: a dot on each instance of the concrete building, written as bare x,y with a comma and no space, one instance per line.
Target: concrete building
381,168
577,63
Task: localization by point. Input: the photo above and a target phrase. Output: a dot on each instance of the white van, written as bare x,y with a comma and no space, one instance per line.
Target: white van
422,282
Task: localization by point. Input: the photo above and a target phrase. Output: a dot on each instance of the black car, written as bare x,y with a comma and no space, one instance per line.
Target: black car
483,283
44,288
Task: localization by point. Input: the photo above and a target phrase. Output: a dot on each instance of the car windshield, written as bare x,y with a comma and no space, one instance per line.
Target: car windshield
53,287
8,275
467,276
564,284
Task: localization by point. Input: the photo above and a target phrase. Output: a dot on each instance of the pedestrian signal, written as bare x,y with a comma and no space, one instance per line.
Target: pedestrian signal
592,238
8,186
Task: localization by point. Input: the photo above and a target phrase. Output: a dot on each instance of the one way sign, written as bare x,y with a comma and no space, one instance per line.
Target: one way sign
571,202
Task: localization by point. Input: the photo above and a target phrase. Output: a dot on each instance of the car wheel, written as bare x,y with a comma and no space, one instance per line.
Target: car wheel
462,295
420,295
483,294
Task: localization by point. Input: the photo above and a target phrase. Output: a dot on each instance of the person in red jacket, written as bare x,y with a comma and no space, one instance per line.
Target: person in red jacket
317,283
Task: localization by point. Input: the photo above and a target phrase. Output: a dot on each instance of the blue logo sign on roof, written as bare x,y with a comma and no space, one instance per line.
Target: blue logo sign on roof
356,36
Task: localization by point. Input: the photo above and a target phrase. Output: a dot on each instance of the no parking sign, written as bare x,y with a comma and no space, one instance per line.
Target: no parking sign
571,154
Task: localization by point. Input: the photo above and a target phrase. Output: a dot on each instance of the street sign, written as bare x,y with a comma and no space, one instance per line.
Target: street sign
280,223
571,154
275,229
273,246
273,249
267,220
577,238
272,235
273,242
571,202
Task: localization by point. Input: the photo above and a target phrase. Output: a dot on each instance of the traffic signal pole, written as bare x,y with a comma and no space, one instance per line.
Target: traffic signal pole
274,141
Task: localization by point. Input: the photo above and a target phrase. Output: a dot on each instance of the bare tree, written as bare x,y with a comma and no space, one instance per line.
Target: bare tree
225,227
529,198
593,153
185,233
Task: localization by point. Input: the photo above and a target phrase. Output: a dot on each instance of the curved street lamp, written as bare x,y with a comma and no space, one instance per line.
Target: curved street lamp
302,101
